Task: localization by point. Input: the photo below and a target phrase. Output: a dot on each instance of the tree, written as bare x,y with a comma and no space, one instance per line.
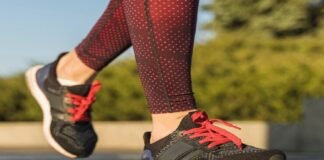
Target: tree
269,17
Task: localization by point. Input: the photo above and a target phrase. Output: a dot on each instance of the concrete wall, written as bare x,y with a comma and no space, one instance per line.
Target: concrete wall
305,136
111,135
311,131
128,135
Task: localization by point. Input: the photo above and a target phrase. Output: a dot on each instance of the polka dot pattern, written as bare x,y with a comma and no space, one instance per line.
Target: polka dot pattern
107,39
162,34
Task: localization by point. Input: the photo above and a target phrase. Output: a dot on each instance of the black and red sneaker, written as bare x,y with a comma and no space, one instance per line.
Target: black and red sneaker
66,111
197,138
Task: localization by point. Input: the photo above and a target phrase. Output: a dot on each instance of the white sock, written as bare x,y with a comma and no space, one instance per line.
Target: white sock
66,82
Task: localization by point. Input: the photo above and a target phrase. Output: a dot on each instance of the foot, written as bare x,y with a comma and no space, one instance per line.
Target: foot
66,111
196,138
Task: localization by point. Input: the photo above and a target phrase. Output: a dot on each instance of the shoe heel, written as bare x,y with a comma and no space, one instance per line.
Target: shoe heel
147,155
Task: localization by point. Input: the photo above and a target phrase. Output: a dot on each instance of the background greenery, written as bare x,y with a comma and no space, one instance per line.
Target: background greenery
266,59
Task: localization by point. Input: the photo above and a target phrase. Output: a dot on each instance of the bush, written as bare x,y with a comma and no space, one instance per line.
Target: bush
122,95
240,77
235,77
269,17
16,103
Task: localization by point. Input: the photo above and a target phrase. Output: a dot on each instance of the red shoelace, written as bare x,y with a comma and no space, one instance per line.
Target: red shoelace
83,104
212,134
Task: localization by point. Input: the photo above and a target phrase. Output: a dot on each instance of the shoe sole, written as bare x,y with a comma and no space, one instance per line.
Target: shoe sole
44,104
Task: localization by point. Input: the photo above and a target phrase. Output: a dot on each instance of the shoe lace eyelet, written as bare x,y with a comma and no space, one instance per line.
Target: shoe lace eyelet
181,134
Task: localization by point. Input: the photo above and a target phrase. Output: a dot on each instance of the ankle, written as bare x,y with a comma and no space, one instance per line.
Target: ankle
71,68
164,124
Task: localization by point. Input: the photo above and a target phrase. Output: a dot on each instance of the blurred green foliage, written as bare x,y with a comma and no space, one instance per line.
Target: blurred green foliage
237,79
121,96
268,17
261,79
266,59
16,103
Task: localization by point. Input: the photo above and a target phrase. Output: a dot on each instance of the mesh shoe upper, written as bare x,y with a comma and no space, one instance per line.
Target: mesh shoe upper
79,139
192,140
70,107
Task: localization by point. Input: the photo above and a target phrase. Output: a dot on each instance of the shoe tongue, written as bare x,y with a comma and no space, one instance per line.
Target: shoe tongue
187,123
81,90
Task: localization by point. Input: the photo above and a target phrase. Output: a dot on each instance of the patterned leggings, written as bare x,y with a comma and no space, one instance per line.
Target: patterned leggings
162,33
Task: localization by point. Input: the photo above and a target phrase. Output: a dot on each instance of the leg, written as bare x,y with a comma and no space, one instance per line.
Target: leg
67,107
162,33
107,40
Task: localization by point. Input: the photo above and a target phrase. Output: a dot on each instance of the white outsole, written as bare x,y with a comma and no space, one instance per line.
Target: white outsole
45,106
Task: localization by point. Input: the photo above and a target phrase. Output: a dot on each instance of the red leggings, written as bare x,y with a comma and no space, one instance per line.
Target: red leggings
162,34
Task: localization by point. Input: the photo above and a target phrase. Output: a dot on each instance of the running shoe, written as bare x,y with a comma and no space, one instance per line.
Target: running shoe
197,138
66,111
